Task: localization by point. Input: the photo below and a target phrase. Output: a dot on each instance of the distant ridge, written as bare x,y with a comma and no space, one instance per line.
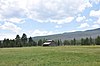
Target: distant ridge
71,35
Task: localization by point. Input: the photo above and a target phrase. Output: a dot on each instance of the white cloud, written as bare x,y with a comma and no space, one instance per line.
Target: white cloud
95,26
58,26
79,19
7,35
54,10
42,10
95,13
95,1
62,21
89,20
85,5
58,21
84,25
38,32
10,26
12,11
15,20
98,21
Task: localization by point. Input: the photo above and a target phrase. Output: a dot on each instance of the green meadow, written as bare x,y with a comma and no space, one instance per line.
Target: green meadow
51,56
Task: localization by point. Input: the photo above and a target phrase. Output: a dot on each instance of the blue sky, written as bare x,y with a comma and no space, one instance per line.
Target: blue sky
47,17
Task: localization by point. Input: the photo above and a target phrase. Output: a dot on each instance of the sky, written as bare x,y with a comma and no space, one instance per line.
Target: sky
47,17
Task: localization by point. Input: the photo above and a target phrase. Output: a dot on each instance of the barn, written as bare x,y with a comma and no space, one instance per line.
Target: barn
49,43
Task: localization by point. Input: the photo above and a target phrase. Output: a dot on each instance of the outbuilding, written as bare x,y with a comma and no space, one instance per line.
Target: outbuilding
49,43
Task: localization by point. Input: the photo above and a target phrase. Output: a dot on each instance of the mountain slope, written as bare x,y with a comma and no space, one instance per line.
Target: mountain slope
68,36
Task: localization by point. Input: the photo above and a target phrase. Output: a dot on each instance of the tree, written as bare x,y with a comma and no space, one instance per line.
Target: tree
58,42
24,39
0,44
30,41
18,41
78,42
61,43
12,43
6,43
66,42
82,41
91,41
44,40
40,42
97,40
74,41
86,42
34,43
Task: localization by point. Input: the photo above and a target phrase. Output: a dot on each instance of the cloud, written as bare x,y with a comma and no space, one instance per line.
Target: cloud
95,13
95,26
10,26
95,1
42,10
62,21
85,5
7,35
84,25
12,11
79,19
56,10
58,21
98,21
38,32
15,20
58,26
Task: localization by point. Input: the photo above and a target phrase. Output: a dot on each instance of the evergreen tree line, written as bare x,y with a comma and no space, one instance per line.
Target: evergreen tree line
25,42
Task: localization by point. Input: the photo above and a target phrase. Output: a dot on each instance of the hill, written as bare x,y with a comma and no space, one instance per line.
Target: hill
68,36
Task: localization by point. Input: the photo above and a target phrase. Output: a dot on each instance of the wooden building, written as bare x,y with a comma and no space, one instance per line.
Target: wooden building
49,43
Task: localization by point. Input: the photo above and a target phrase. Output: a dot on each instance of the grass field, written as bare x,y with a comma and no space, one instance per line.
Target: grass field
51,56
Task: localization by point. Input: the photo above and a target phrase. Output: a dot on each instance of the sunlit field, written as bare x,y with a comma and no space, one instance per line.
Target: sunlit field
51,56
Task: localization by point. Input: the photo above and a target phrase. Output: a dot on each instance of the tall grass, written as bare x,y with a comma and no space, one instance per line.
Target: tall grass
51,56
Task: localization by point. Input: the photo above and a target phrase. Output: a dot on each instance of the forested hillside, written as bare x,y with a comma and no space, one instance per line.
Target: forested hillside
71,35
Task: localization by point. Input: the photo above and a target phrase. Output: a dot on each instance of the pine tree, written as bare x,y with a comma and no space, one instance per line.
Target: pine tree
34,43
40,42
97,40
18,41
30,41
82,41
0,44
61,43
44,40
87,41
12,43
91,41
58,42
8,43
4,42
74,41
24,39
66,42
